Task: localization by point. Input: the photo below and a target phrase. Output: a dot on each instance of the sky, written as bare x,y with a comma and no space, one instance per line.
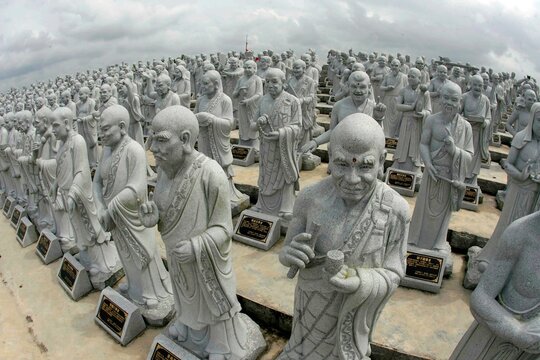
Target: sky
41,39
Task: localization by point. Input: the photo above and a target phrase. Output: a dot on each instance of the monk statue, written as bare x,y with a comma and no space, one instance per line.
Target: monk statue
279,119
163,95
73,188
435,87
476,109
391,86
348,240
14,143
305,90
522,194
446,146
248,92
377,75
231,75
358,101
506,302
120,187
215,116
520,116
129,99
87,124
5,165
414,105
191,209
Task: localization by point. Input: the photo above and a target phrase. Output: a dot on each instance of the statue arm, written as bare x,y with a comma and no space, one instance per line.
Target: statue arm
134,192
97,187
510,122
425,141
432,92
258,92
80,165
510,163
400,106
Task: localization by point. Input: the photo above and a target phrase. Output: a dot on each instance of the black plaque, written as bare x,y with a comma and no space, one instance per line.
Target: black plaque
161,353
471,195
424,267
401,180
21,231
239,153
391,143
254,228
68,273
112,315
7,205
15,217
43,245
496,138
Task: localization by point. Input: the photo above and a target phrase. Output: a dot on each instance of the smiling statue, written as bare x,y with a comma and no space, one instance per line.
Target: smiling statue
347,236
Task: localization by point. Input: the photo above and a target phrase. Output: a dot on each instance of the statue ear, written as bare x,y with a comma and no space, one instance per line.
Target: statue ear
185,138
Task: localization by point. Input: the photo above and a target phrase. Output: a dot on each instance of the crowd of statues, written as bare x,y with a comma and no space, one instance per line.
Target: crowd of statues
73,152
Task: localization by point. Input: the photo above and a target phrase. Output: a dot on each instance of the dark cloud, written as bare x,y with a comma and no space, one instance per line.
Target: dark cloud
40,40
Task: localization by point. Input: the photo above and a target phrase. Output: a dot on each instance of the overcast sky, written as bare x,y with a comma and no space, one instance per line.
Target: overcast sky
42,39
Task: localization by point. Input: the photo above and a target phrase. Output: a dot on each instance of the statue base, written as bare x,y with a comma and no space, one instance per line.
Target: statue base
103,280
310,161
158,316
240,204
164,347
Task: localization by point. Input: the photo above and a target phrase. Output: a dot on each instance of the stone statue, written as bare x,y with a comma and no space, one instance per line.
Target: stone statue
263,67
279,119
424,73
377,75
305,90
14,144
522,194
390,88
446,146
181,85
348,238
476,109
248,92
496,97
311,71
457,78
131,101
357,102
5,175
198,243
87,124
74,197
120,187
520,116
435,87
231,75
215,116
163,95
506,302
414,105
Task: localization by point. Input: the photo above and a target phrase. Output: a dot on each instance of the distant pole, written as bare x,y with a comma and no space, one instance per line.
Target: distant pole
246,43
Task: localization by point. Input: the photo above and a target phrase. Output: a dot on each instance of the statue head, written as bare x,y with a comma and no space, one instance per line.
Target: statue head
283,56
211,83
175,131
84,93
275,59
450,98
43,120
442,72
163,84
381,61
25,120
477,85
207,67
306,58
62,123
485,77
19,106
456,71
357,156
359,86
9,120
530,98
299,68
414,77
250,67
495,78
113,125
275,78
371,58
105,93
233,63
394,66
65,97
358,67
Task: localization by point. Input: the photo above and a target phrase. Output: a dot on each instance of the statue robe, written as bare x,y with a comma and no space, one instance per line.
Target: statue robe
14,142
88,128
196,209
168,100
229,84
247,112
392,118
133,105
437,200
331,325
278,167
182,88
478,108
122,174
5,164
305,90
47,176
435,86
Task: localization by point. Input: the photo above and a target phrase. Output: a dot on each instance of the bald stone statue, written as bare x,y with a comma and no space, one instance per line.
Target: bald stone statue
348,238
191,209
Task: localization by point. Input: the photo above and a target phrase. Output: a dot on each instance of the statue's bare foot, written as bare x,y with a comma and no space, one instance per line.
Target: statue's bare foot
123,287
151,303
178,334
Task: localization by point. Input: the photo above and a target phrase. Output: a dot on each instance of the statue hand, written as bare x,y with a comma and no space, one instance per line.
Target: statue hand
105,219
432,172
309,147
204,119
526,172
70,205
450,145
184,251
485,124
272,135
298,252
148,212
346,280
262,120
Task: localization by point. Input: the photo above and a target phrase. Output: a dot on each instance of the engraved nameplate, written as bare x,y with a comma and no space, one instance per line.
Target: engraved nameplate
391,143
112,315
257,229
68,273
424,267
254,228
402,181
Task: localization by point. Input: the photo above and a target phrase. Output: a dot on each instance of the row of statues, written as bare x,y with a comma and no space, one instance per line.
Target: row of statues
348,234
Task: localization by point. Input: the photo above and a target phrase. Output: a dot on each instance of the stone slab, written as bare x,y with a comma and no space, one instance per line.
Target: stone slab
243,155
73,277
118,316
257,229
48,247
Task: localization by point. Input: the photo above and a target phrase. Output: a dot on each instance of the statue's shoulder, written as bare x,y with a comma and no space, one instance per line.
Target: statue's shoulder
391,200
318,192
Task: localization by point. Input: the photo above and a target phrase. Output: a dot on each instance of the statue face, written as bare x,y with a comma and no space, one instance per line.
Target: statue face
9,124
249,68
359,90
451,99
51,100
83,96
264,64
233,64
530,99
394,67
298,70
413,79
111,130
24,125
274,85
105,94
162,88
19,107
495,79
442,74
209,88
59,128
39,124
167,147
122,91
65,99
354,173
381,62
477,87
